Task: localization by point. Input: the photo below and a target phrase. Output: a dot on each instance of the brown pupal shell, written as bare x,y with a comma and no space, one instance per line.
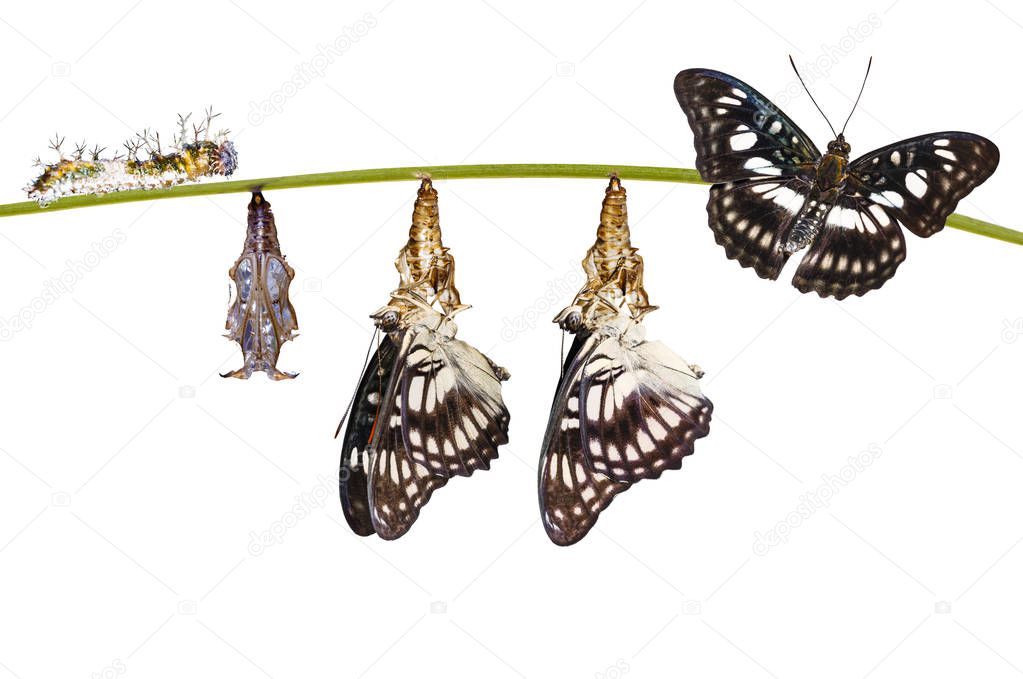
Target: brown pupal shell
613,268
426,269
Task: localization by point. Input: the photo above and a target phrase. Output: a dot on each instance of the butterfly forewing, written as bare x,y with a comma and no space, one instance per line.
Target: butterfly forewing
366,408
454,418
398,486
572,494
739,133
920,181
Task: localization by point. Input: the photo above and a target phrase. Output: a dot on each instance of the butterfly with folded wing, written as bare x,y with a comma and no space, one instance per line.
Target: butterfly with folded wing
428,406
626,409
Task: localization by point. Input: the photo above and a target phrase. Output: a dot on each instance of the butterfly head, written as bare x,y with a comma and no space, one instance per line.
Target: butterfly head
839,147
386,318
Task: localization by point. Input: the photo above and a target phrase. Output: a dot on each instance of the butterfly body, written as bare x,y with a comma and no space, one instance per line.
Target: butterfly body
775,194
828,180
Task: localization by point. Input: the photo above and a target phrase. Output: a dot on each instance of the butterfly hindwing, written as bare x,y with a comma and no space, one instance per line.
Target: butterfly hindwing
858,248
920,181
751,218
739,133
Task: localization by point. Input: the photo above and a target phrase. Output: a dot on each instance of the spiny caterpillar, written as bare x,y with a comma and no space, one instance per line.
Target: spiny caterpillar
193,155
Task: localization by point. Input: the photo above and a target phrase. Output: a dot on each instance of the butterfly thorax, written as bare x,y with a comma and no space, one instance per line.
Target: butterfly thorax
831,170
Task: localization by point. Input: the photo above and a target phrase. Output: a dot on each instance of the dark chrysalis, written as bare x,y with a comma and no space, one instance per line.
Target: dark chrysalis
261,318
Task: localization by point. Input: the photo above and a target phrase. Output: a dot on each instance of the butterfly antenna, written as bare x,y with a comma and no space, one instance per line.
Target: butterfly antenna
561,364
856,103
373,341
801,82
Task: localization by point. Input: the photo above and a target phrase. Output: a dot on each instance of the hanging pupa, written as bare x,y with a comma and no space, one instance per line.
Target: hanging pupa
261,317
428,406
625,409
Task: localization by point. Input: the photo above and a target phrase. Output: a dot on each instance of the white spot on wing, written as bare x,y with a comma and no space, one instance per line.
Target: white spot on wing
916,185
743,141
762,166
893,199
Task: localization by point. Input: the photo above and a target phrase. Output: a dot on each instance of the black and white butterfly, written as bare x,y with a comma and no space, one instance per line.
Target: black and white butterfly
428,407
774,193
625,410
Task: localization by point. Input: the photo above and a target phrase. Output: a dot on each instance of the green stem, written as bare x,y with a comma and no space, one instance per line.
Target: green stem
392,174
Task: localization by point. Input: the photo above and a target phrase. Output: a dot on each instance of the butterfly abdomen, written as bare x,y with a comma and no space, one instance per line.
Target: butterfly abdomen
807,225
831,172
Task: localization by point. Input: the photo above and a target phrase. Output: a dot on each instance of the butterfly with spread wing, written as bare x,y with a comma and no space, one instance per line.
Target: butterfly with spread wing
626,409
428,406
774,193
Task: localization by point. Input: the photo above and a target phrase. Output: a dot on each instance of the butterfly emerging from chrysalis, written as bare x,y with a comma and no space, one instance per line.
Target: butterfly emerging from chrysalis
428,406
626,409
196,152
260,317
775,194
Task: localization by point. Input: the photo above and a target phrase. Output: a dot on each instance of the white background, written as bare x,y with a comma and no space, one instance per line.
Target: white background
133,479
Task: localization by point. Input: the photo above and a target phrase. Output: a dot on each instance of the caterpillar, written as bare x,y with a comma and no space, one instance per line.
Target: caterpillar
195,153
